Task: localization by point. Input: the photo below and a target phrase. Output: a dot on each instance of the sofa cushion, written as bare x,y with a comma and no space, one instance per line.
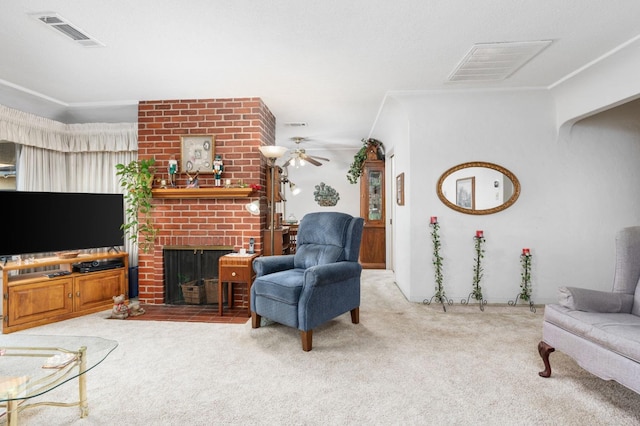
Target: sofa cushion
618,332
284,286
582,299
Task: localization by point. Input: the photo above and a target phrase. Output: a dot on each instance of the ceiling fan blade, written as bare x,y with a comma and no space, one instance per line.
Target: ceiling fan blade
318,158
310,160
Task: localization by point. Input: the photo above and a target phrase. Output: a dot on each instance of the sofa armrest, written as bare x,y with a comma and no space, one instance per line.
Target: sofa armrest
265,265
582,299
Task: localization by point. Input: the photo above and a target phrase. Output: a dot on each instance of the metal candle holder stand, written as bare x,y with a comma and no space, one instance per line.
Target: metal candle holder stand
477,270
476,293
525,259
440,296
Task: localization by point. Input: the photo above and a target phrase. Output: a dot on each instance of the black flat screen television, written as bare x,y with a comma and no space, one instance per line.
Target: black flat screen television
37,222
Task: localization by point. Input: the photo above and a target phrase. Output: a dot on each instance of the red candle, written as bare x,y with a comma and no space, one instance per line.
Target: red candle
434,219
525,251
479,234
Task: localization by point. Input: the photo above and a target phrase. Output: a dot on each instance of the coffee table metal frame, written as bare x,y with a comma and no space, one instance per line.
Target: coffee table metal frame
23,385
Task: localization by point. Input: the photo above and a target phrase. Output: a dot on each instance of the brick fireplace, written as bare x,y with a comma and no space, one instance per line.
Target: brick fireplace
239,126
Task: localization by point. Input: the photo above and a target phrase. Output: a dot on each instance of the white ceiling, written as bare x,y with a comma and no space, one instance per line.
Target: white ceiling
328,63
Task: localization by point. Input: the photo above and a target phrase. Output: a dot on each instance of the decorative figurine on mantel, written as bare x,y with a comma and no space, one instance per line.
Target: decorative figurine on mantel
192,182
218,168
172,169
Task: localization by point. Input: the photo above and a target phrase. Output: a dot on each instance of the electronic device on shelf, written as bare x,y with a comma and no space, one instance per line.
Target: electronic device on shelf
57,274
97,265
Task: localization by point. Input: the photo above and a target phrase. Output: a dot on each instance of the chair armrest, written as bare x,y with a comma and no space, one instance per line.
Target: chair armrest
265,265
582,299
331,273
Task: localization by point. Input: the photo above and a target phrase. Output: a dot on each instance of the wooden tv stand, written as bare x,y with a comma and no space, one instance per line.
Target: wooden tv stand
33,299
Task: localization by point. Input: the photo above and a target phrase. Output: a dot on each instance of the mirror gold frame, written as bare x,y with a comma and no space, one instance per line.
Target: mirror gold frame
503,206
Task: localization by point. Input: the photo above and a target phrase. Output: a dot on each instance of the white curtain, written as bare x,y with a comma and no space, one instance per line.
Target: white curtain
58,157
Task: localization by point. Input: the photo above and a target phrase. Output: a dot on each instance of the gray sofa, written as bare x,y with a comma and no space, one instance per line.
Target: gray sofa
600,330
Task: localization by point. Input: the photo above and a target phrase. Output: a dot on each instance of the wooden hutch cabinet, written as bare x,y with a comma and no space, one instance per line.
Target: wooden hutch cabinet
372,204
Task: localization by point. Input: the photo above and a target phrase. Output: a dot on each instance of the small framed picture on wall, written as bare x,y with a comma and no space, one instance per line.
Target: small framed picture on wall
400,189
197,153
466,193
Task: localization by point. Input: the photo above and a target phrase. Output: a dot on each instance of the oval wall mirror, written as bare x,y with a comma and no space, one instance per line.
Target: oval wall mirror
478,188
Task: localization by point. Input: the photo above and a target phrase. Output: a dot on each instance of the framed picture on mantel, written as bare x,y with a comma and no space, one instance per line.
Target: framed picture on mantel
197,153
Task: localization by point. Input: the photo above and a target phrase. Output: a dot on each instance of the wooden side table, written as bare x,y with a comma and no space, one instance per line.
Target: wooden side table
235,268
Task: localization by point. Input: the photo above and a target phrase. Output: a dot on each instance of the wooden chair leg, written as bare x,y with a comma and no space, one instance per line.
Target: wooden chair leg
355,315
307,337
255,320
544,350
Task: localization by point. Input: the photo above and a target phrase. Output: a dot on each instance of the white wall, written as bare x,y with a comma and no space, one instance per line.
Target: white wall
608,82
332,173
576,192
393,130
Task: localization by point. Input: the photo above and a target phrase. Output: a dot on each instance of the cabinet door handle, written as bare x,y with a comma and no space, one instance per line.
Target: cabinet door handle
233,274
70,295
78,293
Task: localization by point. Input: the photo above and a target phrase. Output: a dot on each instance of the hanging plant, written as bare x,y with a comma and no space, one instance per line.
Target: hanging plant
355,169
136,179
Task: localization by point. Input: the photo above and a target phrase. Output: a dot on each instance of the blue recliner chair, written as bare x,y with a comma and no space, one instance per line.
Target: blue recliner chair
318,283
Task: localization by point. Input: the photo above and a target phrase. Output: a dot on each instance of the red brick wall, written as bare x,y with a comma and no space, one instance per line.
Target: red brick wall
239,127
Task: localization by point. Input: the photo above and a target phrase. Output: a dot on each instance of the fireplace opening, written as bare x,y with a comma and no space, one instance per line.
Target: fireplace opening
191,274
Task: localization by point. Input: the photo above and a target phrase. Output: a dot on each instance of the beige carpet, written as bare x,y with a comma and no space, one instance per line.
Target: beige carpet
404,364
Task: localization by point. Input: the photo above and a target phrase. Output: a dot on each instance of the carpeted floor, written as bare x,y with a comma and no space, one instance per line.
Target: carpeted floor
404,364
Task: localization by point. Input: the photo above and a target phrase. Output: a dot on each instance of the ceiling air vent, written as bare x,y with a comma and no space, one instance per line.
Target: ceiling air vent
295,124
60,24
496,61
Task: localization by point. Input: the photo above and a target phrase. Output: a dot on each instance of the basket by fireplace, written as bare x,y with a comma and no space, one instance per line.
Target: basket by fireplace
193,292
211,290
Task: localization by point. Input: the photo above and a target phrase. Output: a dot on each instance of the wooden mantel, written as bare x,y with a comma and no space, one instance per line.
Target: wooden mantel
220,192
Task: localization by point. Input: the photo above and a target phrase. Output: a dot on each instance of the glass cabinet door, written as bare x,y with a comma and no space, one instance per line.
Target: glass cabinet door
374,193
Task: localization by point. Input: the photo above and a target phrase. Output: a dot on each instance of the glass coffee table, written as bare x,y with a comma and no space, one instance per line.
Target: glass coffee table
31,366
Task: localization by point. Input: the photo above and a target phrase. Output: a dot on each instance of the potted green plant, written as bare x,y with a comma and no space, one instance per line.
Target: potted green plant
137,178
355,169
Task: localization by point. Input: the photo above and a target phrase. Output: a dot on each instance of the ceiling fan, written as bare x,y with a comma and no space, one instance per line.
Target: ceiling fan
299,157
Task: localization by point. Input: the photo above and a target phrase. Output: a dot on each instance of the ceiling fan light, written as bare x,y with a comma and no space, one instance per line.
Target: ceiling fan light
302,162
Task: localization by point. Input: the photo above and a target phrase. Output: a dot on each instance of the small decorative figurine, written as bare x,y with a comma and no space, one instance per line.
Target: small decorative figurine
122,311
193,181
218,168
172,169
